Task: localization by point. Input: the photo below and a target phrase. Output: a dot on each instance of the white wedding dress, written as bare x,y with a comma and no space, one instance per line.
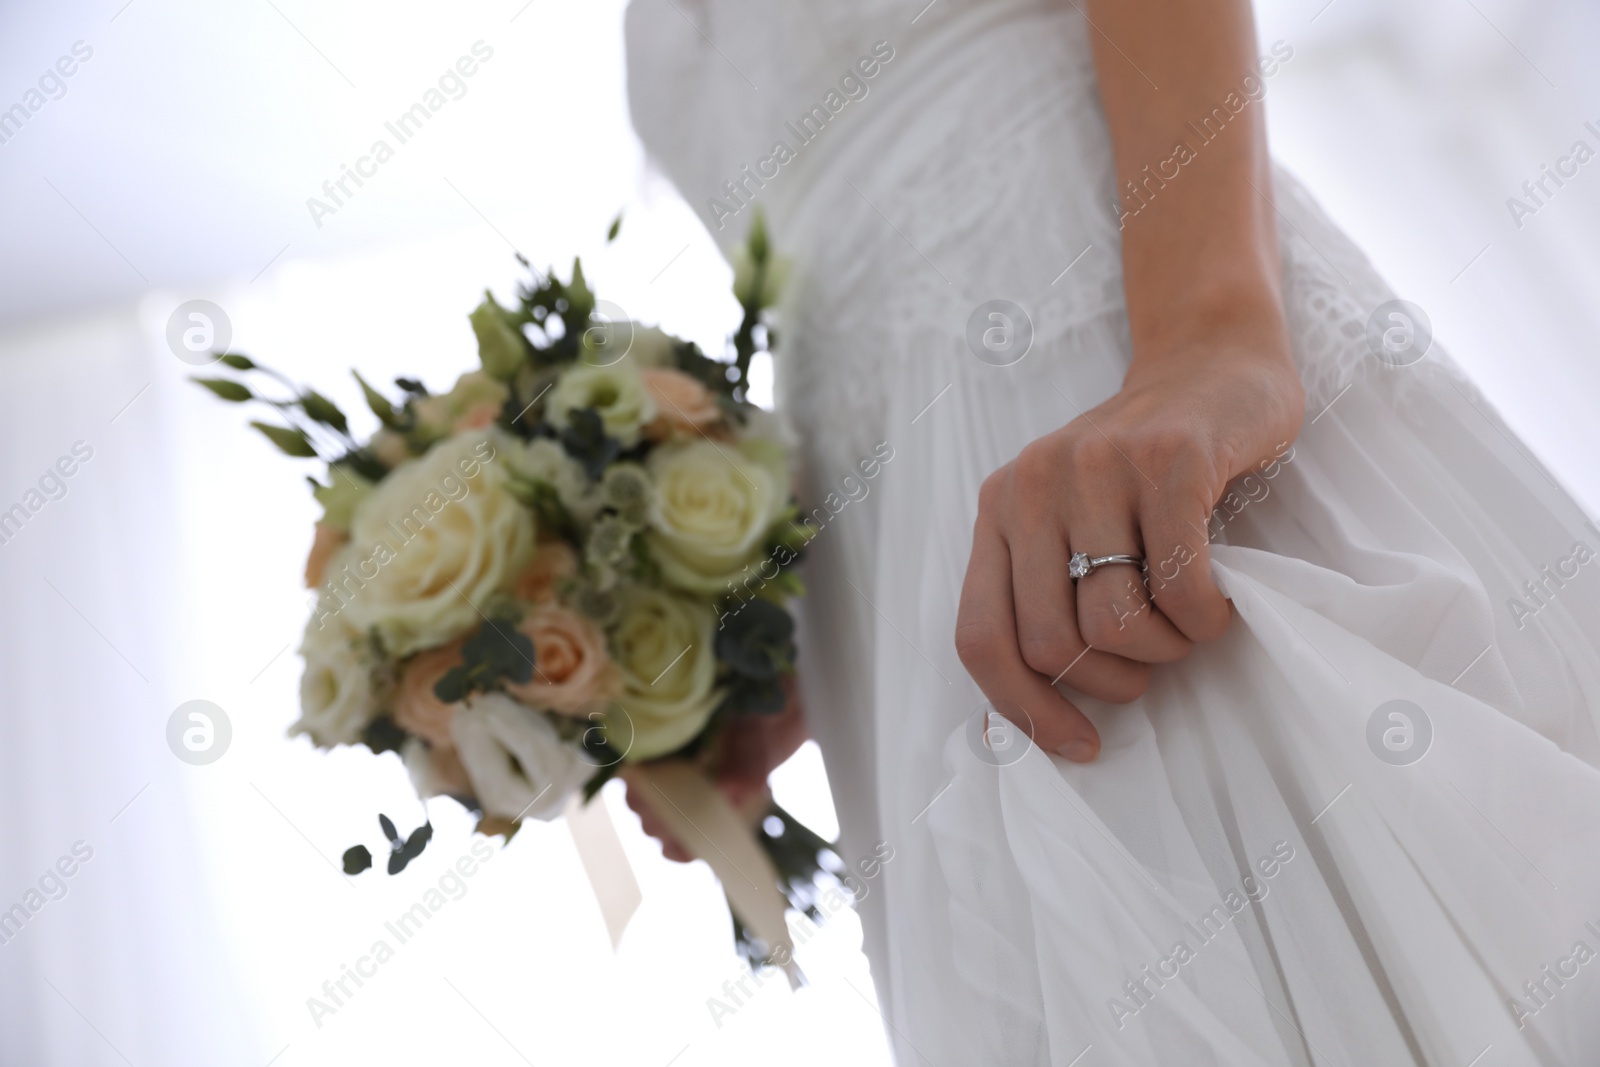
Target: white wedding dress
1339,902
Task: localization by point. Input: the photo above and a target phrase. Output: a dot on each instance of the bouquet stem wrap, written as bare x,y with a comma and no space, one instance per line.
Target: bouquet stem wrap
701,818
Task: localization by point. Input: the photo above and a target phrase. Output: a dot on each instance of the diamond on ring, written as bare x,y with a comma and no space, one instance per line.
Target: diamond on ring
1081,565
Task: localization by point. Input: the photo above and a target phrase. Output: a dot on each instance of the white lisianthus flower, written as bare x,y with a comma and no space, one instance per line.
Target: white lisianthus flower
712,508
336,695
517,763
435,539
544,460
617,392
664,645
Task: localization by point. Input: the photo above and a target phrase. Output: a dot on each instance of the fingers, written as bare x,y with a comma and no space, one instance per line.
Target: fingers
652,825
986,641
1114,611
1047,621
1176,533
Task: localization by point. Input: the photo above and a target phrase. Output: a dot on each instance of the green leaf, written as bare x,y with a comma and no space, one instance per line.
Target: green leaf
501,348
585,440
757,640
377,402
340,497
238,362
323,410
497,651
382,735
226,389
291,442
357,859
616,226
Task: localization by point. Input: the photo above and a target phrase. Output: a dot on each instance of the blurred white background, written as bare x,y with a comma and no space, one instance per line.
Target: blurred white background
176,165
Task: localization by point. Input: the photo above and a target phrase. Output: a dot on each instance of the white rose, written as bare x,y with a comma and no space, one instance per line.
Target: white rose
617,392
664,644
712,509
518,764
336,697
435,539
544,460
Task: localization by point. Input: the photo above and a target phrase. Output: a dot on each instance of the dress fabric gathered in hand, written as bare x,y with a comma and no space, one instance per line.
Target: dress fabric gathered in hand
1338,901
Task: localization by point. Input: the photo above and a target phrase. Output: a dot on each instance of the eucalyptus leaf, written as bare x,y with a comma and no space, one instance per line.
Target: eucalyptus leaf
225,388
379,404
323,410
290,441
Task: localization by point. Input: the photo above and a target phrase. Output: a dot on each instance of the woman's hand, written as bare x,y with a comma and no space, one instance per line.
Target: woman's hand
750,748
1139,474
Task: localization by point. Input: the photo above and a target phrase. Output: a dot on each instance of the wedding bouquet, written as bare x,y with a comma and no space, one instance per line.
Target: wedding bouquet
574,563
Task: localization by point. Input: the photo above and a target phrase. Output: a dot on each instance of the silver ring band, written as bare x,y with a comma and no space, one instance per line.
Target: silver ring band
1082,564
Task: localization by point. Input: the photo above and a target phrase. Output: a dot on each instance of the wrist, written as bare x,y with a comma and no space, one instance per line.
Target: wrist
1241,317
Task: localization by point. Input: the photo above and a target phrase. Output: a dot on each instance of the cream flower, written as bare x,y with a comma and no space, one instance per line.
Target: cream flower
416,710
664,646
437,538
463,406
683,405
336,696
713,506
543,460
518,764
572,668
617,392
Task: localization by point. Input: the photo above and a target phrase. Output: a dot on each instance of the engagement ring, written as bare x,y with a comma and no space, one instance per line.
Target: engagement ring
1082,564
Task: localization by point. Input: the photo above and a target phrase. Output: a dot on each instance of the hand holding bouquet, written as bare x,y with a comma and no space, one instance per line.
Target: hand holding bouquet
573,563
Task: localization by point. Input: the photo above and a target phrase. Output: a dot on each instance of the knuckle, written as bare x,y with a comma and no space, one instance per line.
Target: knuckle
1043,648
1104,623
991,493
1128,685
977,644
1037,466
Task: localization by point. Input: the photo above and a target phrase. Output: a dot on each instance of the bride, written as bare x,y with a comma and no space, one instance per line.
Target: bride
1220,669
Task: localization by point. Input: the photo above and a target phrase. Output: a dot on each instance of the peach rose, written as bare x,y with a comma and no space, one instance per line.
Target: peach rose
683,405
477,417
571,664
416,710
552,561
323,546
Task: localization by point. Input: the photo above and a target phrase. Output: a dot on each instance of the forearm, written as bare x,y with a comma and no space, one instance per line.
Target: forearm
1199,238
